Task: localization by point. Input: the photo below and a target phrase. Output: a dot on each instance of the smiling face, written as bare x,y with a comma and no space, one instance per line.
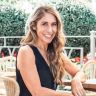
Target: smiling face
46,28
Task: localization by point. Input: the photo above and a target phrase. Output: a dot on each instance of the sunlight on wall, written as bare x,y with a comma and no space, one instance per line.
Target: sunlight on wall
93,7
24,5
28,6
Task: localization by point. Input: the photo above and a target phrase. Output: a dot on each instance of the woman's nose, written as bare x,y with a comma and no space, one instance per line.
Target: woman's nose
50,29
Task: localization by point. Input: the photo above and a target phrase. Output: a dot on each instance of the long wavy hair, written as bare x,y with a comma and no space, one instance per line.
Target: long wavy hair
54,49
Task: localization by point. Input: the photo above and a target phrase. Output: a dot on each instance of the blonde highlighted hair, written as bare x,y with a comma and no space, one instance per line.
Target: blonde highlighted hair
55,47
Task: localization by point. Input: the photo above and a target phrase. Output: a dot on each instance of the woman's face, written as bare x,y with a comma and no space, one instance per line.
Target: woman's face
46,28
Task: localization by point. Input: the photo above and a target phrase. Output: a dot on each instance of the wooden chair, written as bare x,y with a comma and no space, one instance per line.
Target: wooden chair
89,68
11,86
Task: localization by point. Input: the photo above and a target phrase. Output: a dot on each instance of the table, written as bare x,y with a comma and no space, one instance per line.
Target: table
88,85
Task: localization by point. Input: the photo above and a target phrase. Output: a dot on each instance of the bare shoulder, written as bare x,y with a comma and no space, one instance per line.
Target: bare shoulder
25,56
25,50
25,53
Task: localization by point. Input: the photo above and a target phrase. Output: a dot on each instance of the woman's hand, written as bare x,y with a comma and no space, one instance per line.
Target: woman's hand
77,88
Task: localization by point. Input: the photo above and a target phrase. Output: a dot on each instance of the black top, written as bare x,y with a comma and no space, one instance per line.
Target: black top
45,75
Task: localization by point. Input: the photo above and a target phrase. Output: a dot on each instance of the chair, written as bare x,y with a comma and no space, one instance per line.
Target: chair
2,89
11,86
89,68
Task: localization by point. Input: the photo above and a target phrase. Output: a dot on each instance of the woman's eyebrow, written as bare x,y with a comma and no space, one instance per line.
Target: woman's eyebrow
47,22
43,21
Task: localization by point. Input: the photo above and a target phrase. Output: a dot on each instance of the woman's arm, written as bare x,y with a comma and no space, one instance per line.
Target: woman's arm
76,84
26,65
78,77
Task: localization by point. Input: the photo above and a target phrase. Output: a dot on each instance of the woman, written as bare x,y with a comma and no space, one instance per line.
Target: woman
40,61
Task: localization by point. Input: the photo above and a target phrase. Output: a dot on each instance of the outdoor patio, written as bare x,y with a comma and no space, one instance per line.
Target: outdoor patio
79,18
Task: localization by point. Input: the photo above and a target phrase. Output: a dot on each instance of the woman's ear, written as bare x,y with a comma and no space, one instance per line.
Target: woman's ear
34,28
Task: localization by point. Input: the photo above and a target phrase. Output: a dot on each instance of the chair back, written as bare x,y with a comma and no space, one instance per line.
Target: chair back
89,68
11,86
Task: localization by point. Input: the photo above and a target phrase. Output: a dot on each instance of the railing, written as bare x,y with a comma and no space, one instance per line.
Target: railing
11,52
92,45
8,37
71,50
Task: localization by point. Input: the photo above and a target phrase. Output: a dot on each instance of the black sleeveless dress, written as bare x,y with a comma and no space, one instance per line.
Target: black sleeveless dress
45,75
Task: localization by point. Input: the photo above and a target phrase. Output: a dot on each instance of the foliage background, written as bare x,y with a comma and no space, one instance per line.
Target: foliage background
77,17
12,23
78,20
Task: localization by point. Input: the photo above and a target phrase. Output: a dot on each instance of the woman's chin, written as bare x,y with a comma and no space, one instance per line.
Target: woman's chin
48,41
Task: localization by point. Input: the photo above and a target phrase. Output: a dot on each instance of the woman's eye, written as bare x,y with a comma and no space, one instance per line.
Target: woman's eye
54,24
44,23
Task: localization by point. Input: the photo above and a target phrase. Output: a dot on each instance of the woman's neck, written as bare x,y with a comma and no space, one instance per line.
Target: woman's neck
41,46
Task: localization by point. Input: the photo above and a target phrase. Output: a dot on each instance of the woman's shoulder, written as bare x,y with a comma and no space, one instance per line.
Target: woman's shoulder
26,49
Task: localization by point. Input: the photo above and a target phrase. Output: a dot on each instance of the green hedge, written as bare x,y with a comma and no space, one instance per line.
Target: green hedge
78,20
12,23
